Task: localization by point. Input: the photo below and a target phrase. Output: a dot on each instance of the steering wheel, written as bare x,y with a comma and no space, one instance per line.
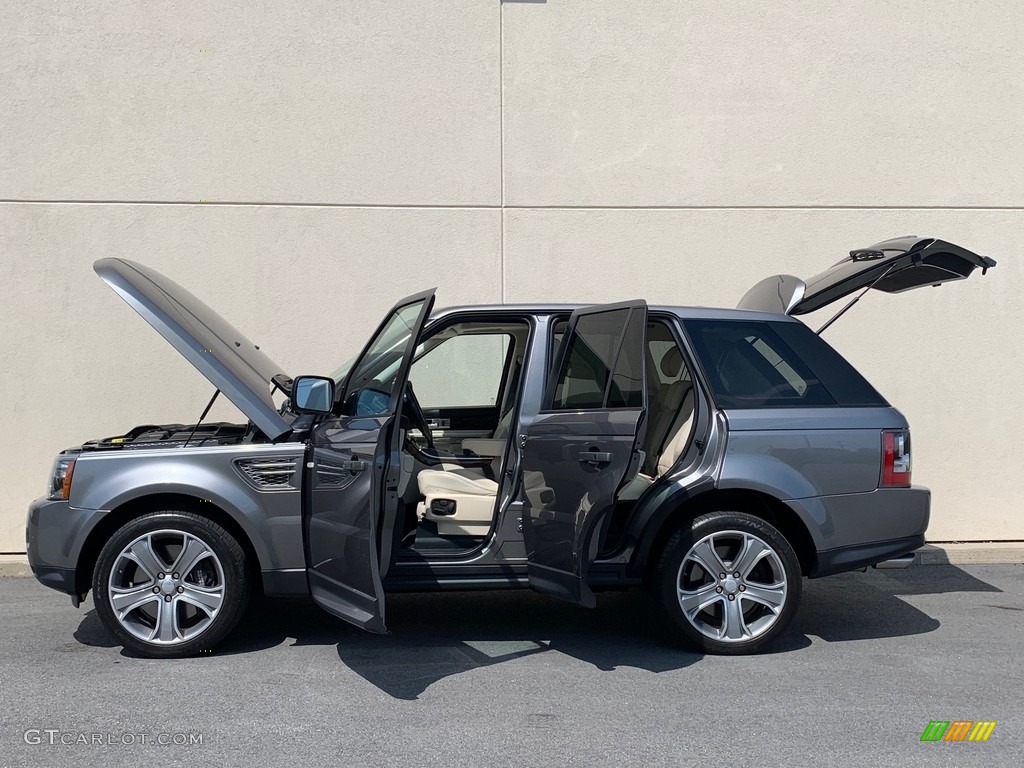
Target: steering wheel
416,416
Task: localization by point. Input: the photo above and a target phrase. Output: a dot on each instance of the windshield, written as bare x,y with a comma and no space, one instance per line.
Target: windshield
341,372
390,370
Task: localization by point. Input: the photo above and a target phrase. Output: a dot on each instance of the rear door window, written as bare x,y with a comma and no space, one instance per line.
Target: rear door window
603,365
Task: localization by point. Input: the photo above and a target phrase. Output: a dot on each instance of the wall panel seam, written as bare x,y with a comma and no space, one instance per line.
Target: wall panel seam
505,207
501,150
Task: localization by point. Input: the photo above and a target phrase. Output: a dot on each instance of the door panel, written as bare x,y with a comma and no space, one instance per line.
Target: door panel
584,446
573,464
351,504
453,425
342,552
479,418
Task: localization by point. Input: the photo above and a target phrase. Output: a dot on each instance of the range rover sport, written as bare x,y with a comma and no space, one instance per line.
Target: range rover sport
715,456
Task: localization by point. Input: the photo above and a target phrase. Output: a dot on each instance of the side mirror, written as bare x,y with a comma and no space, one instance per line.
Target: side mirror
312,394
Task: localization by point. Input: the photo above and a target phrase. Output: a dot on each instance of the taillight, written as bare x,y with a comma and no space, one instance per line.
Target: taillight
895,458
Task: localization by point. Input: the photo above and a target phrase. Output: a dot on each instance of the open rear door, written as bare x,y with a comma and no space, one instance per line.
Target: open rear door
350,486
584,445
892,266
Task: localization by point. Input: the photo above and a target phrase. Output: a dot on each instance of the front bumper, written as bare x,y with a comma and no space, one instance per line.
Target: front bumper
55,534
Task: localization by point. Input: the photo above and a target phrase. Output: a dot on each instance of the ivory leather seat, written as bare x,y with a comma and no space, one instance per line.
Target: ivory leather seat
679,437
472,492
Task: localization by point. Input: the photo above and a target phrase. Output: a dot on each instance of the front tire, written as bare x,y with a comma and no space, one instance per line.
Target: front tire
730,582
170,584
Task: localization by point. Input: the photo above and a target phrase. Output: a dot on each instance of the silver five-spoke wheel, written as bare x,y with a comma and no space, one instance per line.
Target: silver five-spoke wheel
730,581
171,583
166,587
731,586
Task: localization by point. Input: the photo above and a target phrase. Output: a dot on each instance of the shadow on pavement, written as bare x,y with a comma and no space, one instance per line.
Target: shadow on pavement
437,635
861,606
933,580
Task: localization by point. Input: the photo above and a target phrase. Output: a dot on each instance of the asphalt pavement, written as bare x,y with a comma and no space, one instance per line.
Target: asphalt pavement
517,679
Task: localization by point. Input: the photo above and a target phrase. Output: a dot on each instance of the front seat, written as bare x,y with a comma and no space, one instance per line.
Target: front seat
460,500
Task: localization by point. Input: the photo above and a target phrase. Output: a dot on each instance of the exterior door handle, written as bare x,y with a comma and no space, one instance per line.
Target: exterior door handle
356,465
595,457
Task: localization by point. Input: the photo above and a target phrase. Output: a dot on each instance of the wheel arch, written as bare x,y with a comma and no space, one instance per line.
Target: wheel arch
687,506
157,502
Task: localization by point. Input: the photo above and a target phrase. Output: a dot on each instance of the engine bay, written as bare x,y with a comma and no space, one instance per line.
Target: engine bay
148,436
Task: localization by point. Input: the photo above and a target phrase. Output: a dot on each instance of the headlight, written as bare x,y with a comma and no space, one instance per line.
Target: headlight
60,481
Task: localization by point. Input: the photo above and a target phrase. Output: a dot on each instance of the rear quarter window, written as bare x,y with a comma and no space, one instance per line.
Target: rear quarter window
753,364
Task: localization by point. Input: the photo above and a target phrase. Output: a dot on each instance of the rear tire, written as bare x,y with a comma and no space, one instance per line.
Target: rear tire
730,582
170,584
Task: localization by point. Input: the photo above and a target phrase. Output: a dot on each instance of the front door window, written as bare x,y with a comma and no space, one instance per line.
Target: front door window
371,387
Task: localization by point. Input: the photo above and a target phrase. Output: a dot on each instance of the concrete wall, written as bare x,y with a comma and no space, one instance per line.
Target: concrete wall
300,165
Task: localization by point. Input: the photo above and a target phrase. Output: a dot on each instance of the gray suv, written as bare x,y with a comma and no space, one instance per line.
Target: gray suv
715,456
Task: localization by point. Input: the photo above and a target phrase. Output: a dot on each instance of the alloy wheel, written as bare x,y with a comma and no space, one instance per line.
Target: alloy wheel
731,586
166,587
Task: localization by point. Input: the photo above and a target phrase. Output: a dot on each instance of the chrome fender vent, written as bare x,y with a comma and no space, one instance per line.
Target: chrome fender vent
270,473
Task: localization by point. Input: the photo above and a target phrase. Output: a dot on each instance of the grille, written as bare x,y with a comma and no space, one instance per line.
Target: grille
270,473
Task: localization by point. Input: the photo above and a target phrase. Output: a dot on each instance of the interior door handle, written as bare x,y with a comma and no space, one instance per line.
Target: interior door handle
439,423
595,457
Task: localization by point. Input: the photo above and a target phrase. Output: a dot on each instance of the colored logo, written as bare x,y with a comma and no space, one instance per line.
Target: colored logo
958,730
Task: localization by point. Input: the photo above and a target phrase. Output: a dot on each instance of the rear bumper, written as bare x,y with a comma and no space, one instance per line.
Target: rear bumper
862,555
873,528
54,534
853,530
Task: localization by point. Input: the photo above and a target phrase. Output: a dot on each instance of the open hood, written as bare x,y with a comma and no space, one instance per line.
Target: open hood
892,266
231,362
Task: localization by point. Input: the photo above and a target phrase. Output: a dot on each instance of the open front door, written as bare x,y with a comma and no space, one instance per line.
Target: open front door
584,445
350,486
